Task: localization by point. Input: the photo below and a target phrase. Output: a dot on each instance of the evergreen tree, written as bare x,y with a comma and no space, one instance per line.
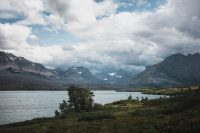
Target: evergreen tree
130,97
80,99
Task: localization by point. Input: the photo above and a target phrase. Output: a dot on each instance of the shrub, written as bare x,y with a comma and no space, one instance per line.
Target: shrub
98,106
57,114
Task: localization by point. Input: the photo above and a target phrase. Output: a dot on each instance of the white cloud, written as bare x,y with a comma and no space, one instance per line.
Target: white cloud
14,36
81,11
143,38
108,39
31,9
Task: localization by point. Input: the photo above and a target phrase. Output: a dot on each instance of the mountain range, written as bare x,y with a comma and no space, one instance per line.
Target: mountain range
18,73
175,70
22,74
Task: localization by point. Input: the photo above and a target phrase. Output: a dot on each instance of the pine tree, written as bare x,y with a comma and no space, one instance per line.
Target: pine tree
80,99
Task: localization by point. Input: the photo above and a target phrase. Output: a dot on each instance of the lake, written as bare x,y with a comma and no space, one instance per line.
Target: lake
18,106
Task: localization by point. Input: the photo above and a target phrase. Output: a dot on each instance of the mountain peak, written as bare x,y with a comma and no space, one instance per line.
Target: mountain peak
78,75
175,70
9,61
196,54
175,57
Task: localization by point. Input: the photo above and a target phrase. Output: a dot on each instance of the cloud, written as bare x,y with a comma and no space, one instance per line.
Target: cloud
81,11
143,38
14,36
16,39
30,9
109,39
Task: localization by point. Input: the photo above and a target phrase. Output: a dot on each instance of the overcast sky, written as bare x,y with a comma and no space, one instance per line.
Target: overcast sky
99,34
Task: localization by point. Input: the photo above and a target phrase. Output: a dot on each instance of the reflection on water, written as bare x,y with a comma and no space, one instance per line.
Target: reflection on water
25,105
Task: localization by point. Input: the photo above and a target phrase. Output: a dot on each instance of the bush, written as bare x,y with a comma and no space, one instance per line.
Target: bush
125,102
57,114
98,106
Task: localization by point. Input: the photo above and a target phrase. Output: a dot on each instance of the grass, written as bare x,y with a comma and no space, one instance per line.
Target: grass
96,117
179,114
171,91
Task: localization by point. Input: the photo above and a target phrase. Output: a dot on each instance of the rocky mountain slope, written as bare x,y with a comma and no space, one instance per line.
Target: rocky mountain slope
16,64
20,73
78,75
175,70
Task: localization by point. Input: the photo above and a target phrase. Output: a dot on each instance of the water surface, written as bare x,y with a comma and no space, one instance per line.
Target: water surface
18,106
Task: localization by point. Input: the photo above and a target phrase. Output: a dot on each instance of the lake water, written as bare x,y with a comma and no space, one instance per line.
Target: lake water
18,106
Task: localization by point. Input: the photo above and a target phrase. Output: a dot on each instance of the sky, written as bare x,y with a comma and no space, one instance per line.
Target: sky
102,35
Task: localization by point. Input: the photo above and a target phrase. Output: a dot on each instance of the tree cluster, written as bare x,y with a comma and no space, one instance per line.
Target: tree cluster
80,100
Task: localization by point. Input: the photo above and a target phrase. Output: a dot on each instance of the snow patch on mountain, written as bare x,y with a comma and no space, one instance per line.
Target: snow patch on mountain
111,74
118,76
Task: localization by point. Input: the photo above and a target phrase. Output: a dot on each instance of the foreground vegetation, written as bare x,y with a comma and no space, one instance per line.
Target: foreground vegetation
178,114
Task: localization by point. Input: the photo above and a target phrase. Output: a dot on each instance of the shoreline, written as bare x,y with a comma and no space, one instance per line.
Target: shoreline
157,115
